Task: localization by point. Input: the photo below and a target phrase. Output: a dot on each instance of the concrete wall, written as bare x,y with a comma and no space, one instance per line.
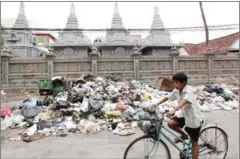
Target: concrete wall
25,51
200,69
70,51
117,52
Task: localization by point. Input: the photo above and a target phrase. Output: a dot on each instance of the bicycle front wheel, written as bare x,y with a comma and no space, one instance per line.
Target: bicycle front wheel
146,147
213,143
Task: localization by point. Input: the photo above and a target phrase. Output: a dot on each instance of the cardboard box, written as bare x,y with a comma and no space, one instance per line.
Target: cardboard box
165,84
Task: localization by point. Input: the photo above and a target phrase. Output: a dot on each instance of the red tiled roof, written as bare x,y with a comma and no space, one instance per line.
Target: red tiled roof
46,34
219,45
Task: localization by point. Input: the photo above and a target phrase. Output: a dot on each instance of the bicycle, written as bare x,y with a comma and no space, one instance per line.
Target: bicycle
155,132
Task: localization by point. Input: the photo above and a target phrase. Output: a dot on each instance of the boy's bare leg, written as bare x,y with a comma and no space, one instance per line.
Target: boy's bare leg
195,150
174,126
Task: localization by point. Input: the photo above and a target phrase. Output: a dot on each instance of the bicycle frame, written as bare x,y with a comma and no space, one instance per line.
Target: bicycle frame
185,151
185,144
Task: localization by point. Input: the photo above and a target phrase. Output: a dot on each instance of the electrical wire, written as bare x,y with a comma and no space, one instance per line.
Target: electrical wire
198,28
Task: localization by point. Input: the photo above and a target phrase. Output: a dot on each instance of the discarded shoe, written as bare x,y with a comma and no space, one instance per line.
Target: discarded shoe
35,136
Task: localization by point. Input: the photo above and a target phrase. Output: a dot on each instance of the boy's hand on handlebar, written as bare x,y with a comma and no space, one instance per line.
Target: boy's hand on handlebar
171,113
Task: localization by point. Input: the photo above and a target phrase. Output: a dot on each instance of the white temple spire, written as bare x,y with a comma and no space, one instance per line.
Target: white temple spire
157,22
116,20
21,21
72,10
72,22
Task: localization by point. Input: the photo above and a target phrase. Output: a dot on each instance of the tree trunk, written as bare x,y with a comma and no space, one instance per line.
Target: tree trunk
205,24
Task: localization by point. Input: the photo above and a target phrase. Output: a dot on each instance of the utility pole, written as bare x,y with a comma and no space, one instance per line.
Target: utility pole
208,47
205,25
1,47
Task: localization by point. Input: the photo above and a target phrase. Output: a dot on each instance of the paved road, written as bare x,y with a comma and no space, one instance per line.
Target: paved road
105,145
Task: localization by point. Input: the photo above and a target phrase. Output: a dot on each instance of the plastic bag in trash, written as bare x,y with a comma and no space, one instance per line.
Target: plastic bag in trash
124,130
226,96
29,103
204,107
61,104
44,124
218,99
99,79
32,112
70,125
232,104
139,114
145,104
135,84
46,131
130,109
91,117
121,105
31,130
94,105
6,123
84,106
113,114
80,90
5,113
88,77
136,103
138,98
127,115
74,98
224,106
18,119
45,102
82,124
107,107
76,116
98,114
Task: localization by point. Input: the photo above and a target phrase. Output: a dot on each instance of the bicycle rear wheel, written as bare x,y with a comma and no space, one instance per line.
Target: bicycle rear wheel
213,143
146,147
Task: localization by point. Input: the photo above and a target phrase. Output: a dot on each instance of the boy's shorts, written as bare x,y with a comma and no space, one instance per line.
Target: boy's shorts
194,133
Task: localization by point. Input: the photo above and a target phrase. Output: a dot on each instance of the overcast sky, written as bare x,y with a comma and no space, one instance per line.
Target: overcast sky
134,15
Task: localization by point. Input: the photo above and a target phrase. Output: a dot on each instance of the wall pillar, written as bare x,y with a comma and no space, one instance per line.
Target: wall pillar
174,55
50,57
136,56
5,57
94,57
210,57
5,68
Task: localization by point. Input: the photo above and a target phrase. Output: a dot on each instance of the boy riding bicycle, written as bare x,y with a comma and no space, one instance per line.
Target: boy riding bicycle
189,114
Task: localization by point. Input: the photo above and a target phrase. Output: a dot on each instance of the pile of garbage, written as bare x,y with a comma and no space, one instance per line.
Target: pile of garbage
216,97
93,104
